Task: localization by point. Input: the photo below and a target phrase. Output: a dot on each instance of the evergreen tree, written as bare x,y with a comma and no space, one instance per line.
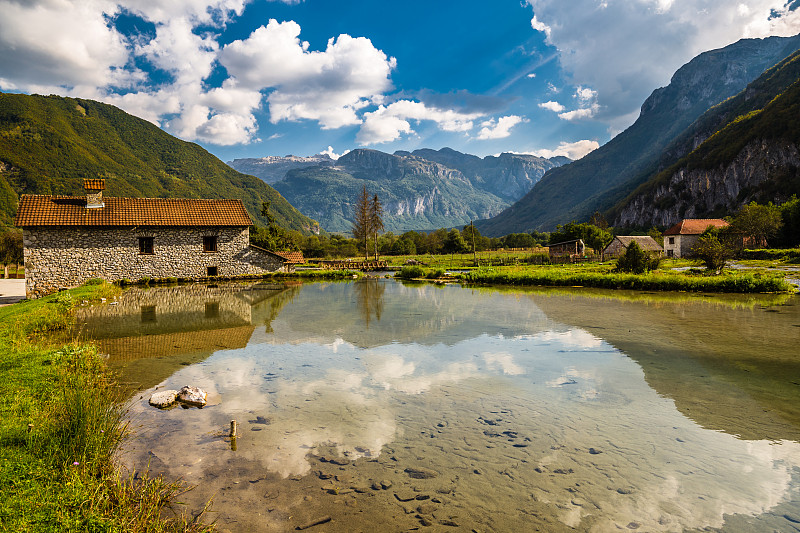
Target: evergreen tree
454,243
362,221
376,219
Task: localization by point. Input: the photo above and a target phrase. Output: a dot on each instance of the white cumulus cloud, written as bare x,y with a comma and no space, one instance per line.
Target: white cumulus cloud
69,47
333,155
327,86
389,123
499,128
626,49
555,107
59,43
580,113
574,150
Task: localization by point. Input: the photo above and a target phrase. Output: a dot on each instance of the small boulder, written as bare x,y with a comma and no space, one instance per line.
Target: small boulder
192,396
163,399
421,473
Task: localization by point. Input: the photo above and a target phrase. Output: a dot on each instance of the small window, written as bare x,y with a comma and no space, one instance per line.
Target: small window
145,245
211,271
672,240
210,244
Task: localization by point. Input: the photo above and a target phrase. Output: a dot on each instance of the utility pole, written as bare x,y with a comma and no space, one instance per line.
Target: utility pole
474,258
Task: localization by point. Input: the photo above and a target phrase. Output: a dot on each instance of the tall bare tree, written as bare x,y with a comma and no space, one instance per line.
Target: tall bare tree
376,220
362,225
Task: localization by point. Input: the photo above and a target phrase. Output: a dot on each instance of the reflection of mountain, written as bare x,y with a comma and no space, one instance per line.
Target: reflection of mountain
424,314
728,368
152,332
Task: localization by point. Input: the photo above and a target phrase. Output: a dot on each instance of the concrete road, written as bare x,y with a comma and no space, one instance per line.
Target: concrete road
11,291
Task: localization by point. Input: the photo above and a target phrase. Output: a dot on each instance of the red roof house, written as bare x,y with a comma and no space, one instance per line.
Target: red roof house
681,238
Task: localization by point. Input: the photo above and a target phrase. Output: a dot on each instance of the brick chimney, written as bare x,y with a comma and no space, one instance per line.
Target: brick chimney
94,193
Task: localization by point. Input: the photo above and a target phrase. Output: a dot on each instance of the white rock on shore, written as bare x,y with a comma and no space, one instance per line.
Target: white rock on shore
192,396
163,399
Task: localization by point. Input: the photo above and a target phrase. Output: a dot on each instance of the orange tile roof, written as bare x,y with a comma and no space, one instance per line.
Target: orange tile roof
94,184
36,210
292,257
695,226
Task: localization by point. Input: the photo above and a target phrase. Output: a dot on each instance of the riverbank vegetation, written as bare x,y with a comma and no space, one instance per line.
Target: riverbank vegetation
602,276
60,424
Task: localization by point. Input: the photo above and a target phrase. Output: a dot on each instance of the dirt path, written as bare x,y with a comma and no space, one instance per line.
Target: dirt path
11,291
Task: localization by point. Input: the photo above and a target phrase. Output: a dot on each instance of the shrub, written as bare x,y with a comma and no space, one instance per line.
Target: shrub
712,250
411,272
435,274
637,261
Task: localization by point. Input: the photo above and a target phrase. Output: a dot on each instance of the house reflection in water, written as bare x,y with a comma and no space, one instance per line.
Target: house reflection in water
152,332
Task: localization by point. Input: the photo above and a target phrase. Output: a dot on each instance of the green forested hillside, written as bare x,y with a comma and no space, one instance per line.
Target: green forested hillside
49,144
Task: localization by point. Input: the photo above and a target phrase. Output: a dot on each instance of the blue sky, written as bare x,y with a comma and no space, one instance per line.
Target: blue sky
249,78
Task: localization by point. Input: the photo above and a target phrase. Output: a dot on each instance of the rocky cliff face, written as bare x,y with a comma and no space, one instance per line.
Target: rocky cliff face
509,176
698,193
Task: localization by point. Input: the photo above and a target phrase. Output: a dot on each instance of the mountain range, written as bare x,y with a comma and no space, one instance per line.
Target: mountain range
605,177
744,149
50,144
421,190
724,132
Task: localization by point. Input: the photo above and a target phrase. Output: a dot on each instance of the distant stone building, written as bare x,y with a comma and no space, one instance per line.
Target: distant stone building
292,258
681,238
569,249
70,239
620,243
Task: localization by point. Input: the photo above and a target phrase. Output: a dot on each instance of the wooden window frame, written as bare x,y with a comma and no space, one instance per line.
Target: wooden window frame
210,244
146,246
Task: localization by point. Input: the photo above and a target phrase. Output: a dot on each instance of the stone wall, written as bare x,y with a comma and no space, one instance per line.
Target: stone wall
57,257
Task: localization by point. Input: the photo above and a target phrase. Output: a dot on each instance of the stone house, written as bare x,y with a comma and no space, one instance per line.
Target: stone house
681,238
70,239
620,243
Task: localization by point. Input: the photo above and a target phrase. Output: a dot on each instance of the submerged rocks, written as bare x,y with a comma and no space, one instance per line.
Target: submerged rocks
421,473
189,396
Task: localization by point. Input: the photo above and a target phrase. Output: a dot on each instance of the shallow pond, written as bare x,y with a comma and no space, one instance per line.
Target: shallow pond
380,406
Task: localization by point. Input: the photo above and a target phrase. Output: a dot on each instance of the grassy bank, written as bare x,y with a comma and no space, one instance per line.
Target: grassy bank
741,282
316,274
59,427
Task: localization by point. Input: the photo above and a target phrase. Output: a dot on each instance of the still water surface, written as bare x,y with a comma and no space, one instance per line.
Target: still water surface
391,407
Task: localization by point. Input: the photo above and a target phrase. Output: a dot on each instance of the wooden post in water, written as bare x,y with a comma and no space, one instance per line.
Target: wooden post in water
232,435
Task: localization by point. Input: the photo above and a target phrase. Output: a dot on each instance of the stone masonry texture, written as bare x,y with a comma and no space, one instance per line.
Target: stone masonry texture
58,257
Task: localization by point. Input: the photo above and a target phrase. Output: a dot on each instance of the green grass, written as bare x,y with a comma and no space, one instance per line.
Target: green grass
466,260
601,276
60,423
